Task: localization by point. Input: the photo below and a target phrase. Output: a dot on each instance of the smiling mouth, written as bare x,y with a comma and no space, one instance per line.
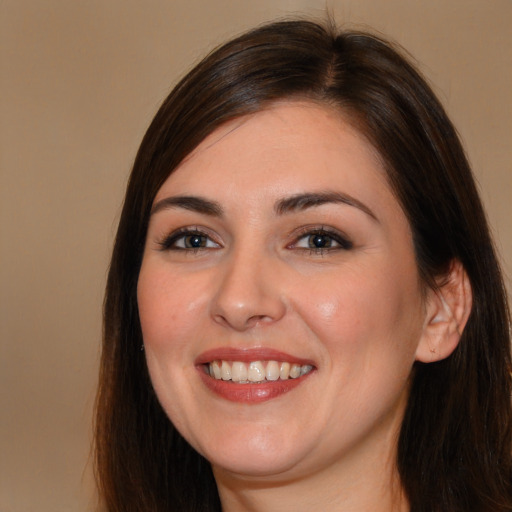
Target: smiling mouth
255,372
252,375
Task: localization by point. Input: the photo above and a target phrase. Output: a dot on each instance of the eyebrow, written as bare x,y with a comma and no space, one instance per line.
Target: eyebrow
283,206
193,203
310,200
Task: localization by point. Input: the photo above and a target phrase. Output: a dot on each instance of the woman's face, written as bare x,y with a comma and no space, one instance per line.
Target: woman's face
277,249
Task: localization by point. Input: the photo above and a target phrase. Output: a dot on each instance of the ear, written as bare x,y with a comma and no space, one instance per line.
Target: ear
447,311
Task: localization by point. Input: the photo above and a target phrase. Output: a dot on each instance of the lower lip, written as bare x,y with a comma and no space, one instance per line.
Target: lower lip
250,393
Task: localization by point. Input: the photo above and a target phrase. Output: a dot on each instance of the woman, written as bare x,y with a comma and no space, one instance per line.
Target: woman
305,263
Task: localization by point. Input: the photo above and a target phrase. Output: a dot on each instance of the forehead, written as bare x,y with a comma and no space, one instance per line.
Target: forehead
289,148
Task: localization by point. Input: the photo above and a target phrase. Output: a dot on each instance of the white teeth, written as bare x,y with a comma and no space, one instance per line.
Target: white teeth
284,371
294,371
272,371
238,372
215,370
225,371
256,371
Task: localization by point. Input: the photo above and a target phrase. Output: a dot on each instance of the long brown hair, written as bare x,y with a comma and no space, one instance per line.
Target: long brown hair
455,446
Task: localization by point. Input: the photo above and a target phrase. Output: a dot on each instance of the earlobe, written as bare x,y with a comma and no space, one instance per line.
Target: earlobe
447,311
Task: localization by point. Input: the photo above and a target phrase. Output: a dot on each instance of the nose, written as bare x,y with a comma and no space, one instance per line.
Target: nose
248,292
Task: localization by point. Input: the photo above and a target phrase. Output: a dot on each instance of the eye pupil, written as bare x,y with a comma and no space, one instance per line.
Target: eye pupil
319,241
195,241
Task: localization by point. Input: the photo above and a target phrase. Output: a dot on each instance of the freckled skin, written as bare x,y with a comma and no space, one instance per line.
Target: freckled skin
357,313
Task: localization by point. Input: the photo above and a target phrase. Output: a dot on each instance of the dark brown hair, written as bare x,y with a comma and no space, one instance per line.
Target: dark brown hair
455,446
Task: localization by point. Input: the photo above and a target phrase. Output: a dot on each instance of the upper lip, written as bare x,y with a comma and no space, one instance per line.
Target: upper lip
247,355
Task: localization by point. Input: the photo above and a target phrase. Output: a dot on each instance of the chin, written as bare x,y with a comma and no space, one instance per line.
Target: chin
255,456
253,467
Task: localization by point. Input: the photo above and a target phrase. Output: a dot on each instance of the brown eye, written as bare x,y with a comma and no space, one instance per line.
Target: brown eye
188,240
194,241
321,240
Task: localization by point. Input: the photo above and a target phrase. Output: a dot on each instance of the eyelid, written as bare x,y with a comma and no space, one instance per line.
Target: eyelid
344,242
167,241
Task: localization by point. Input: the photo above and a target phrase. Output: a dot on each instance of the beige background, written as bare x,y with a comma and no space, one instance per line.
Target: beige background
80,81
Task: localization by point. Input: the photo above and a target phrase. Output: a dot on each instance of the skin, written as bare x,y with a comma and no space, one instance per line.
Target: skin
356,311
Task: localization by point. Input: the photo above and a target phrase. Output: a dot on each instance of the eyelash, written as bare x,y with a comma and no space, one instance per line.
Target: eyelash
343,243
168,243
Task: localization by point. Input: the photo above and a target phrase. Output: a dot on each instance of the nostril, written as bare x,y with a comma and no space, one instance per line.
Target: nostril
242,321
245,300
255,319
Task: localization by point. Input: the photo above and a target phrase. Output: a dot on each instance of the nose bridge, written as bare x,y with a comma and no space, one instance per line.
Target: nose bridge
248,290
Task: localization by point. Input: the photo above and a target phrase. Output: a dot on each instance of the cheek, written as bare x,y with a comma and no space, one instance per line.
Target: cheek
168,316
364,309
168,308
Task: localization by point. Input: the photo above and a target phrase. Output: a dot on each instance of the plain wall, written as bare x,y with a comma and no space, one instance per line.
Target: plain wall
80,81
